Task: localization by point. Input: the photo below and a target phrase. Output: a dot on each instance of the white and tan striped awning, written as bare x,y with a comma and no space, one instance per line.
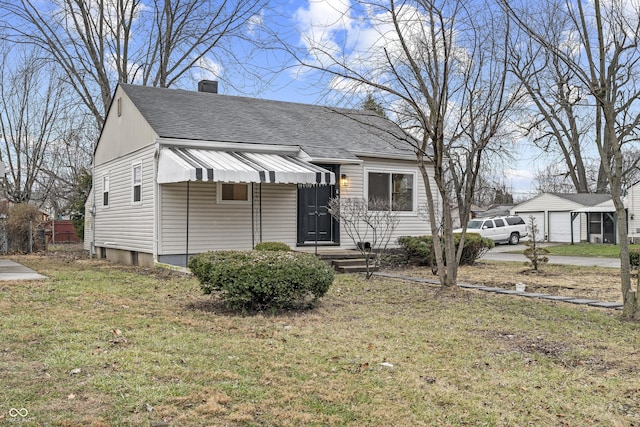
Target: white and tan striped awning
191,164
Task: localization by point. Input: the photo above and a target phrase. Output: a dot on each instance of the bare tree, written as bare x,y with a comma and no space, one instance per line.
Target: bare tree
561,118
441,68
551,179
31,105
67,159
537,254
605,58
101,42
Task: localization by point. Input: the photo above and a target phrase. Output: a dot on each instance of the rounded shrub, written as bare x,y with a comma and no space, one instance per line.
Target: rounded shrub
634,257
258,280
420,250
272,246
474,247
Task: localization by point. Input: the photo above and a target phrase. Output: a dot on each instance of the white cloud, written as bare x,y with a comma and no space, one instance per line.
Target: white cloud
254,23
206,69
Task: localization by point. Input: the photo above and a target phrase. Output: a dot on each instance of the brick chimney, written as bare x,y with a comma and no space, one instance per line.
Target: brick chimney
209,86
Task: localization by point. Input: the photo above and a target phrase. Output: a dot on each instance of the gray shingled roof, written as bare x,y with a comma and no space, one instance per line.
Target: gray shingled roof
321,132
585,199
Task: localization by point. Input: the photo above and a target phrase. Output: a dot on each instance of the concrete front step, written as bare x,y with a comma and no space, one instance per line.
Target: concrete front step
351,262
356,265
340,255
354,269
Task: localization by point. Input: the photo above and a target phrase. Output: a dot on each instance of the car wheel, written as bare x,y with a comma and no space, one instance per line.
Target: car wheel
514,239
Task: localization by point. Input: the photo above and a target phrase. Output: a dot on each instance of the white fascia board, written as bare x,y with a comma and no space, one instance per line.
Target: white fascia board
229,146
395,156
328,160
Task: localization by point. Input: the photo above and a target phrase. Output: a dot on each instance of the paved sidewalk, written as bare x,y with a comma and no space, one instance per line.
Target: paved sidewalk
10,270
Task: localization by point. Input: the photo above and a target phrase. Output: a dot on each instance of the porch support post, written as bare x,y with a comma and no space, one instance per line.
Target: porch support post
260,189
253,216
573,217
316,219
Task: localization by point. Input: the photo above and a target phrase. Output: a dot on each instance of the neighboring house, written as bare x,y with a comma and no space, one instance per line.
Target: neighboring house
497,210
632,202
571,217
182,172
476,211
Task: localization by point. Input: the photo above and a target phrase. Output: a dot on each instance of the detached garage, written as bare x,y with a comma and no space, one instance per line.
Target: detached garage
556,217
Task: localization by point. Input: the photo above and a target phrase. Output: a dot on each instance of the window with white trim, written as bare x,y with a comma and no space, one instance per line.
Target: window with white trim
233,193
137,182
391,191
105,190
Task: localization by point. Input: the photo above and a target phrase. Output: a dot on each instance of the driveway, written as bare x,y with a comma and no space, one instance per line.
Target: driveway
500,253
10,270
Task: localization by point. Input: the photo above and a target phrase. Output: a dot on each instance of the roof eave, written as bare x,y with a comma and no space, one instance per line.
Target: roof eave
229,146
393,156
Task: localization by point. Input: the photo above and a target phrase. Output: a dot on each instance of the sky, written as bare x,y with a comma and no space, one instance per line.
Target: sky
335,22
296,20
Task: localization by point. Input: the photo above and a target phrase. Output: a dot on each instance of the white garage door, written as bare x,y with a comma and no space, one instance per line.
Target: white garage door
560,227
539,220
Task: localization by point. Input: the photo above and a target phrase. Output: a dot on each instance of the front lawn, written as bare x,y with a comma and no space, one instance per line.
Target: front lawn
105,345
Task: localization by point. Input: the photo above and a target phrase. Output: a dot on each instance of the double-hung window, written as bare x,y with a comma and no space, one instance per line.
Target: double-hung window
105,190
391,191
137,183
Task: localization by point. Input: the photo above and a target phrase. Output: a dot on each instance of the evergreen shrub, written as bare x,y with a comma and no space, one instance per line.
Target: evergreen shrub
272,246
419,249
634,257
259,280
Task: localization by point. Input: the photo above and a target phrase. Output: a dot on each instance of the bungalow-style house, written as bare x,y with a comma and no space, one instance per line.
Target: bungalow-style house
181,172
581,217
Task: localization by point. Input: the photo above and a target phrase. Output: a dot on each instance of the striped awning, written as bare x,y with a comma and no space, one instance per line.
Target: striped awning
191,164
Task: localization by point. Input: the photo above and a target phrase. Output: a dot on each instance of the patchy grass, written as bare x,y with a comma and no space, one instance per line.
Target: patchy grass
103,345
588,249
587,282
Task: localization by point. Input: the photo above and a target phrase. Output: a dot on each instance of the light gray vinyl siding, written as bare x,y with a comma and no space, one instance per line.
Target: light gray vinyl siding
633,206
220,226
279,213
410,223
123,134
124,224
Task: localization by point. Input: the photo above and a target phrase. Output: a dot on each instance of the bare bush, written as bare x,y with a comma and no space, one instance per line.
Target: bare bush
370,225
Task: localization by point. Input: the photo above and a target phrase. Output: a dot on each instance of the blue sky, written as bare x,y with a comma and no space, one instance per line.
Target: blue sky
281,78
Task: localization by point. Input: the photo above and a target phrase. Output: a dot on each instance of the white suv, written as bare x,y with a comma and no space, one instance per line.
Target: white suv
500,229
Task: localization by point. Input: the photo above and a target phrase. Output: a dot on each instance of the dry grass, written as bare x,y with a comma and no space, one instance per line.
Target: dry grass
597,283
152,350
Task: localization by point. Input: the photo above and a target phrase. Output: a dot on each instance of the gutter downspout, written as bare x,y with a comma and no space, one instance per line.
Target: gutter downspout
186,255
157,205
92,246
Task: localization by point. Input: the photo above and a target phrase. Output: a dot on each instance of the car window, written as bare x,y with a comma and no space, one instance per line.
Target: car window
514,220
499,222
487,224
476,225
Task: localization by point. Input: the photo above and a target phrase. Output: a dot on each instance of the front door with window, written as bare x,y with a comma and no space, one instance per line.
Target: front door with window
608,228
315,224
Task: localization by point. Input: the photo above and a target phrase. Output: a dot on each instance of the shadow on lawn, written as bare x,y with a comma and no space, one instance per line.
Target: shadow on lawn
217,306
